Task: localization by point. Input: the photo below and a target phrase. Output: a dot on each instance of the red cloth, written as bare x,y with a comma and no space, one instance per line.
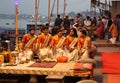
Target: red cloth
99,31
80,68
111,63
84,65
113,78
43,64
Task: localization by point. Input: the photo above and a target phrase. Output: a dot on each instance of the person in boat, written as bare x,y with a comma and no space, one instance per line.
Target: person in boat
85,47
44,44
71,45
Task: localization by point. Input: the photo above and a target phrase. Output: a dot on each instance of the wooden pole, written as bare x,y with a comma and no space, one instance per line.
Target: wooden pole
49,12
90,9
95,11
64,9
105,5
16,23
36,13
57,8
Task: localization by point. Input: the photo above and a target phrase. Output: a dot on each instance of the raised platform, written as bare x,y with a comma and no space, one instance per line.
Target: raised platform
107,45
103,43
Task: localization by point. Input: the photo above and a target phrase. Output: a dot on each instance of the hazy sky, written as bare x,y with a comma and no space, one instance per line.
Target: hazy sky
27,6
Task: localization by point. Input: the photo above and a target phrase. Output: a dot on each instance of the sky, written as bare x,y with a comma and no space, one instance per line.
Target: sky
27,6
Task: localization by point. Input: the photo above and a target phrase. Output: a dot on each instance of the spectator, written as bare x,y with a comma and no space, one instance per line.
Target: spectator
79,19
114,32
87,24
108,26
118,26
58,21
100,29
66,22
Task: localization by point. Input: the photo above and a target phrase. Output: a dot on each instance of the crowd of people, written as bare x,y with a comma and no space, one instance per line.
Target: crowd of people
72,38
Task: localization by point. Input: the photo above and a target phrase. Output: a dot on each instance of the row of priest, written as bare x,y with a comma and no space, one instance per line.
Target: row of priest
50,47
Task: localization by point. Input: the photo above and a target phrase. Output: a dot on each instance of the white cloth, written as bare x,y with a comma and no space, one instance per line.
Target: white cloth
45,53
105,22
72,56
60,52
85,54
113,40
87,23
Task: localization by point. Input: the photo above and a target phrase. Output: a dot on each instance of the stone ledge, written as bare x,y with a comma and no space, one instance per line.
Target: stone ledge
107,45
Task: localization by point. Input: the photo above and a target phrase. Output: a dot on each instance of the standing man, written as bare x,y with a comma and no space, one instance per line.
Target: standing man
66,22
118,25
87,24
79,20
110,21
58,21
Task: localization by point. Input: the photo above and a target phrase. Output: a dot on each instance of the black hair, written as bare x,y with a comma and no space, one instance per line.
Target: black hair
76,25
75,32
32,28
58,15
58,30
84,32
46,24
88,17
45,27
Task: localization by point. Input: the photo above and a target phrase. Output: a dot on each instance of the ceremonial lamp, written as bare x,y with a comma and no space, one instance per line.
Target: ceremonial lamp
8,45
16,24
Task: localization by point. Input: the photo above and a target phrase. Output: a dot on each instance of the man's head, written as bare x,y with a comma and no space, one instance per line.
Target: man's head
45,30
83,33
99,22
73,32
58,16
59,33
32,31
88,17
78,15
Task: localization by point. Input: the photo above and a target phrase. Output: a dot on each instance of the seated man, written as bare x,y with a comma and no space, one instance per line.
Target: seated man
85,45
71,45
44,44
58,42
28,42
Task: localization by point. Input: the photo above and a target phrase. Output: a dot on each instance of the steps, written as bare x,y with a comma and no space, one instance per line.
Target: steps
54,79
107,45
8,80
